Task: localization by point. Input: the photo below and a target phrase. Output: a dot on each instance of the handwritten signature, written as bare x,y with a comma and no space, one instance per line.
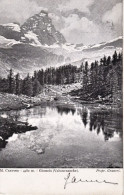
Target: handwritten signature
69,180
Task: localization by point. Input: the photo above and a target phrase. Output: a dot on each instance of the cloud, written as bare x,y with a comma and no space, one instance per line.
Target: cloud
17,10
114,15
54,17
56,20
80,30
86,21
76,4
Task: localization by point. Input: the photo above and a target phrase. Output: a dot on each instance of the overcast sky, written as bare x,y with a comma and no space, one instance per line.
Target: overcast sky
80,21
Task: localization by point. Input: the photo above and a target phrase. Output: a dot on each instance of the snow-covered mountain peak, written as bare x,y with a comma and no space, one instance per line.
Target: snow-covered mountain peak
37,30
41,25
43,13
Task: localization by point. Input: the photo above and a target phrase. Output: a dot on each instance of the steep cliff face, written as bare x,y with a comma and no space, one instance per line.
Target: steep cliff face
39,30
11,31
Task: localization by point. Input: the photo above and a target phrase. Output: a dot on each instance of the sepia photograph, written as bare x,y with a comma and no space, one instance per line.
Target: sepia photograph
61,84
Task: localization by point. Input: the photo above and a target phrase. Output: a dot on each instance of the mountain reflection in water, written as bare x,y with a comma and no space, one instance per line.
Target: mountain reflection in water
65,128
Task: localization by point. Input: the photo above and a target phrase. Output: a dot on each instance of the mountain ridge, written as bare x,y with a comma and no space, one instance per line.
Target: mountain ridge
36,29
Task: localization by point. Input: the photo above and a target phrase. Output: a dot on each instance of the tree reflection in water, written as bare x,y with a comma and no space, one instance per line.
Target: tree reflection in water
84,117
108,122
65,110
2,143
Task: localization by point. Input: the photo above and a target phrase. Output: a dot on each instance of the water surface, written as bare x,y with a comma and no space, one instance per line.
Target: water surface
66,137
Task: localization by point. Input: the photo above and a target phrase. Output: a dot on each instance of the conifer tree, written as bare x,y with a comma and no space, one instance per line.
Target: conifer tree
18,85
114,58
108,60
36,87
85,77
27,86
11,81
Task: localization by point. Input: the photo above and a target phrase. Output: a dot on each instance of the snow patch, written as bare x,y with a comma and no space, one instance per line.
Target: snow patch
13,138
52,46
3,115
69,47
32,36
42,14
13,26
6,43
111,41
35,25
49,28
120,37
22,38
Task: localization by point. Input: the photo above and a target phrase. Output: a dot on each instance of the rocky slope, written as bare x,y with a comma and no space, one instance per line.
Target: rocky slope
11,31
115,43
40,30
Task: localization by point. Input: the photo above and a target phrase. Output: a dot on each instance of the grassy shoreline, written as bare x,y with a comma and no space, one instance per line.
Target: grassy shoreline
13,102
